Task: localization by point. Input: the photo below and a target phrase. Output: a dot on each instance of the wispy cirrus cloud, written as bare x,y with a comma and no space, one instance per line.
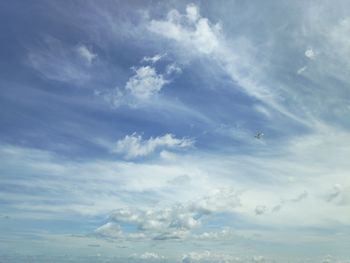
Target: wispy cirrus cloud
59,61
198,36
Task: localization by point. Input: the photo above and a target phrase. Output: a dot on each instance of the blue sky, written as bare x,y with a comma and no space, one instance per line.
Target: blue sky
127,131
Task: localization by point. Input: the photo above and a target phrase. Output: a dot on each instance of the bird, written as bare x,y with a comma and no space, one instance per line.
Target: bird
259,135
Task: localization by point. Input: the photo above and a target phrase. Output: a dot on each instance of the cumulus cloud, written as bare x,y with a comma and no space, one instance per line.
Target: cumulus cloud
176,221
133,146
145,83
168,221
189,29
86,53
140,88
192,12
158,224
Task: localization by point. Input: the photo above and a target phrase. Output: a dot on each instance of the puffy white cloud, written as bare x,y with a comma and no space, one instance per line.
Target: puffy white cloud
145,83
140,89
86,53
190,29
192,12
177,221
164,220
133,146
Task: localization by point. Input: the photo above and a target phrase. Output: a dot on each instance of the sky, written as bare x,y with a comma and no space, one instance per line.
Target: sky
127,131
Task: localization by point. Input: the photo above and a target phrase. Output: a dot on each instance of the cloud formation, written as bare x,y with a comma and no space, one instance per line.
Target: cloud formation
145,83
189,29
133,146
141,89
310,53
86,54
58,61
200,37
153,59
176,221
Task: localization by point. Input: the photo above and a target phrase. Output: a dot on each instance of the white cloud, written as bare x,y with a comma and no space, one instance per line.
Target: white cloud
167,155
145,83
109,230
200,37
223,199
173,68
189,29
141,89
58,61
148,256
226,233
133,146
153,59
310,53
178,220
192,12
301,70
87,54
159,224
263,110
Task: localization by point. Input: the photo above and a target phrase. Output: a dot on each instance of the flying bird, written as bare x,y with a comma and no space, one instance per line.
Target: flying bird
259,135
